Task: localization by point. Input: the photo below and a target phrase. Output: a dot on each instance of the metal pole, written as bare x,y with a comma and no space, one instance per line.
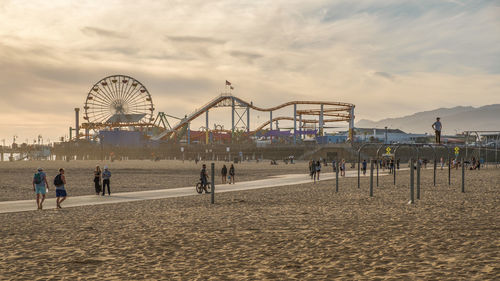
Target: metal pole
435,165
213,184
351,125
371,177
418,178
77,123
463,175
449,170
321,121
359,159
394,171
270,120
206,126
294,123
376,164
232,119
466,146
412,178
300,126
189,134
248,119
337,176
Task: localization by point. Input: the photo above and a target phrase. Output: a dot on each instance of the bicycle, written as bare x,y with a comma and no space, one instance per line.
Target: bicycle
199,187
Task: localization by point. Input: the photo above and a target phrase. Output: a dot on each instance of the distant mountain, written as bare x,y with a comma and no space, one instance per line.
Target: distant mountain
460,118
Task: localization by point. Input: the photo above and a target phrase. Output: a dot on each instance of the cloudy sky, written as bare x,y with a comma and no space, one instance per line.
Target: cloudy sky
389,58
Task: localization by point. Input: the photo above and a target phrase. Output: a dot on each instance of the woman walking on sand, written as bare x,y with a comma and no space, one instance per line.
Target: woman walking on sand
231,174
97,180
59,182
223,173
318,169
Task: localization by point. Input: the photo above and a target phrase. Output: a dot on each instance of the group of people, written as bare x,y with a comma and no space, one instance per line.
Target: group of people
314,170
41,185
224,174
341,167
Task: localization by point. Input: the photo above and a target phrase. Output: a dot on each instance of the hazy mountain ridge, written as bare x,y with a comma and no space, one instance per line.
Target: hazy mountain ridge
455,119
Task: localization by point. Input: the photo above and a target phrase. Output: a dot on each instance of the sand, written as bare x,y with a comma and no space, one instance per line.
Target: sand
16,177
301,232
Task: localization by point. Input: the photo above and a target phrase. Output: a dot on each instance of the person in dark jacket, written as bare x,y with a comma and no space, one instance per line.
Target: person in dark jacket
231,174
223,173
97,180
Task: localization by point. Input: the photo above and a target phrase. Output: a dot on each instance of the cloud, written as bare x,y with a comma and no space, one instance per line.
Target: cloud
246,56
385,75
195,40
93,31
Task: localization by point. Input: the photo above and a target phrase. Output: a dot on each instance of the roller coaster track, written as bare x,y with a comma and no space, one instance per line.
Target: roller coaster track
226,100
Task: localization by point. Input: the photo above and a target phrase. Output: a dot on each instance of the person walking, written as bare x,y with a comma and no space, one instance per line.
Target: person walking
333,165
106,175
40,186
312,169
59,182
97,180
364,167
318,169
223,173
231,174
204,177
342,168
437,129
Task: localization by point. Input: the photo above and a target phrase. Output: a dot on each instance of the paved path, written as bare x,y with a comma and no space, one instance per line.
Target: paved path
282,180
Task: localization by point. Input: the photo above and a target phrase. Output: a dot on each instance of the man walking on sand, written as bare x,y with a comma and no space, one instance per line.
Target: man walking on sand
59,182
106,175
40,186
437,129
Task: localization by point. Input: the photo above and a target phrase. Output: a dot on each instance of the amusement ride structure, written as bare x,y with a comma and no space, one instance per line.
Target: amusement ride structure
120,102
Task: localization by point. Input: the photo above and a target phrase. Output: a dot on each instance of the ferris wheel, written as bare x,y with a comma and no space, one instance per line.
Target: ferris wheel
118,99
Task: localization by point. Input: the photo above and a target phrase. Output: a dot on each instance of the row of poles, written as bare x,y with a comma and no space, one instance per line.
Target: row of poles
394,168
412,177
412,168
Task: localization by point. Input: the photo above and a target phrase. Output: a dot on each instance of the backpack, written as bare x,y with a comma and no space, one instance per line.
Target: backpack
38,178
58,180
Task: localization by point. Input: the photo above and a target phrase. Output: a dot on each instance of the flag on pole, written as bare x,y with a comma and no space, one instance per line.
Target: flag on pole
228,83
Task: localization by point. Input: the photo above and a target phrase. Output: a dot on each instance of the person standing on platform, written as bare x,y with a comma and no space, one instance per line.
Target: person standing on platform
40,186
437,129
106,175
97,180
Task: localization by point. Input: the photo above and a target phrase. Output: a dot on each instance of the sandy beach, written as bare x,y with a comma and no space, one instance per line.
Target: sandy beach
300,232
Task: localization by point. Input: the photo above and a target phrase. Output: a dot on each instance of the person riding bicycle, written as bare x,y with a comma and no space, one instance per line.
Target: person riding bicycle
204,178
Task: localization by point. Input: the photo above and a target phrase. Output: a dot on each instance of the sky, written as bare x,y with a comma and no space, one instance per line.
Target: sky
389,58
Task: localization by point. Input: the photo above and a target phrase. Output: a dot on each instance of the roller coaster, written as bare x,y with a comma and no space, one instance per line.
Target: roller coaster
120,101
334,111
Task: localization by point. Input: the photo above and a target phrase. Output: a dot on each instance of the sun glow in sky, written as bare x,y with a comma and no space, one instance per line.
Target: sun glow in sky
389,58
